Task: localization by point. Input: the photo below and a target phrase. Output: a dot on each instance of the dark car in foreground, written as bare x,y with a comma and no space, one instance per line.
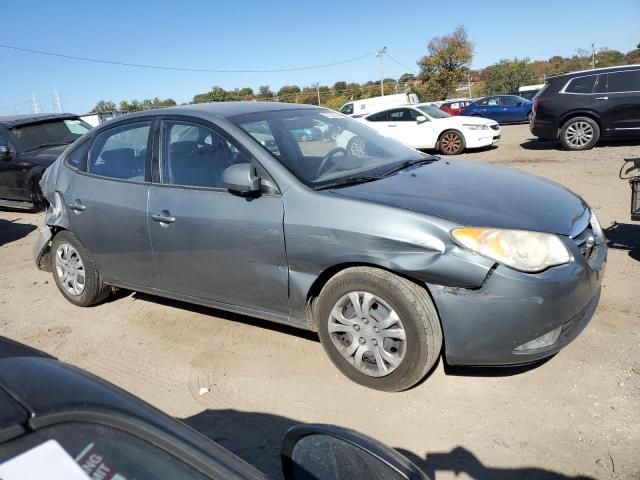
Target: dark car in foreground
28,145
501,108
392,256
580,108
59,422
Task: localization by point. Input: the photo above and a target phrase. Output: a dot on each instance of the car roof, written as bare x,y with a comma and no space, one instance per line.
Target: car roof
221,109
11,121
596,71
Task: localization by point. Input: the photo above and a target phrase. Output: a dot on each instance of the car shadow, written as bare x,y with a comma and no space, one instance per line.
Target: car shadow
462,461
624,236
12,230
257,437
534,143
230,316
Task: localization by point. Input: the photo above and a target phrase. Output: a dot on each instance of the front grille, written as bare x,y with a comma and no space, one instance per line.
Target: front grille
495,126
496,137
635,199
585,241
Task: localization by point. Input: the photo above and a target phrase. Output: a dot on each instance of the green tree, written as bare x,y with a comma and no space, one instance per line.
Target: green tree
509,75
340,86
104,106
264,92
288,92
446,65
407,77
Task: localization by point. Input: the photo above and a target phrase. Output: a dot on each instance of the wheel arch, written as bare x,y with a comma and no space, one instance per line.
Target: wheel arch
328,273
579,113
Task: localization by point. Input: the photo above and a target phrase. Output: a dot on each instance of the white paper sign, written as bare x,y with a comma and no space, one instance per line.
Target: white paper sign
48,461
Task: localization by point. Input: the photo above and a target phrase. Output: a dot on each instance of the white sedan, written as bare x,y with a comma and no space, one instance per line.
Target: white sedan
426,127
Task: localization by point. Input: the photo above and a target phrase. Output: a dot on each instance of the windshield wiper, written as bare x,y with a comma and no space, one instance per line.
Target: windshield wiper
410,163
348,181
45,145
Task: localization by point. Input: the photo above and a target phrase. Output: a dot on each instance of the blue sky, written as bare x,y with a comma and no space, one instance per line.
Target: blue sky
266,35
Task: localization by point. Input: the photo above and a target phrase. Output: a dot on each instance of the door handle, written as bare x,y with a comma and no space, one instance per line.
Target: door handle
77,206
163,217
601,98
390,126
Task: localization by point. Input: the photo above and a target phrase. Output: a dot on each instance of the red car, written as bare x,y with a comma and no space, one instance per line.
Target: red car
455,108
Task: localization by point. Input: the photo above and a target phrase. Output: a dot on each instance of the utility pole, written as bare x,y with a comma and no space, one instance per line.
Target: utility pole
380,54
593,56
318,91
469,84
35,105
56,99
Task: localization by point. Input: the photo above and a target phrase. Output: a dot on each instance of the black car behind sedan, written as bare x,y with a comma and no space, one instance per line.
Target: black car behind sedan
28,145
579,108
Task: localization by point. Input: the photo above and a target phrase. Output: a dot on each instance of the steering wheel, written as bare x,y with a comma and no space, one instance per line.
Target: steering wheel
329,156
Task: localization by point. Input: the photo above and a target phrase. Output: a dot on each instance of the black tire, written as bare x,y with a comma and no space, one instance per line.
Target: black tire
451,142
568,133
95,291
40,203
415,309
357,146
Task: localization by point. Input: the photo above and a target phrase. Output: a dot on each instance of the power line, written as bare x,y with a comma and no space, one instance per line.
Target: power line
401,64
180,69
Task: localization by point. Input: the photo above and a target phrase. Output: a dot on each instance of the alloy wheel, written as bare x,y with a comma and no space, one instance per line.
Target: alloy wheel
451,142
358,147
70,269
368,333
579,134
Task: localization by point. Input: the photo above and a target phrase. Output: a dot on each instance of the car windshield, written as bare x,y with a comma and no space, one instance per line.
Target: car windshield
48,134
323,148
433,112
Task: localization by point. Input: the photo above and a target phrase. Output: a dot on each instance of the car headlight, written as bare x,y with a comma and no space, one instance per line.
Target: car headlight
475,126
523,250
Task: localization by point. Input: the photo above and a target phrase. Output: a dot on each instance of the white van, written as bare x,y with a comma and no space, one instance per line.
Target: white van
359,108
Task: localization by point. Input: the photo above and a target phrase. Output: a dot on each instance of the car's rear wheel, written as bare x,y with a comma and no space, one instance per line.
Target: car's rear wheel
357,147
451,143
380,330
75,273
579,133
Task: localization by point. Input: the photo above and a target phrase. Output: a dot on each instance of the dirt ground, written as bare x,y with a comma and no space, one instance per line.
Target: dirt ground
577,414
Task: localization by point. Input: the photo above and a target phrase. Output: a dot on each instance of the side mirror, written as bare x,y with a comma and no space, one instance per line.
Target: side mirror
421,119
5,152
323,452
241,178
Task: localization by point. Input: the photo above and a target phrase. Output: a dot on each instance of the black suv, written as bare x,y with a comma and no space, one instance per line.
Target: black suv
581,107
28,145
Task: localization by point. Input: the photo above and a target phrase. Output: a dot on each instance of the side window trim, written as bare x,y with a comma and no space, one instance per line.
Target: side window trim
273,188
563,90
134,121
83,165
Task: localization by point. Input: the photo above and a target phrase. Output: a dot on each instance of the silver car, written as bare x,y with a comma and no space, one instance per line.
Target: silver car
392,256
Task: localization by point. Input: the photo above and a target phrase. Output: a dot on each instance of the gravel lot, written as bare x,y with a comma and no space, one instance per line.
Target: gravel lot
578,414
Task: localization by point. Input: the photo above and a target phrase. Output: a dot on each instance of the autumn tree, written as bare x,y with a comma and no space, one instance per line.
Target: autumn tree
509,75
446,65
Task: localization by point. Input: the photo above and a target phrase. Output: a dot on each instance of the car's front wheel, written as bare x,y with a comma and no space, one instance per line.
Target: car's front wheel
451,143
381,330
75,273
579,133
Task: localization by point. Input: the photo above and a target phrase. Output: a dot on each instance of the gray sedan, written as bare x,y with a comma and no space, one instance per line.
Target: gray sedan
391,255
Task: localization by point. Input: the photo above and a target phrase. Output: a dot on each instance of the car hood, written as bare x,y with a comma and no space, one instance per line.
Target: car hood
477,195
45,156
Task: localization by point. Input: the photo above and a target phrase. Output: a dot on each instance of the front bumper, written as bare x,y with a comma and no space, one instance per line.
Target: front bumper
486,325
482,138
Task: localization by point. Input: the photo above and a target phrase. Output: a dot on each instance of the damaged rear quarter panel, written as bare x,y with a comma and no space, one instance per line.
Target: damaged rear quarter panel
324,230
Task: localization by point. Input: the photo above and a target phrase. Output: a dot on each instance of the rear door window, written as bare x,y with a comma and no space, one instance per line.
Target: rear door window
121,152
581,85
624,82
